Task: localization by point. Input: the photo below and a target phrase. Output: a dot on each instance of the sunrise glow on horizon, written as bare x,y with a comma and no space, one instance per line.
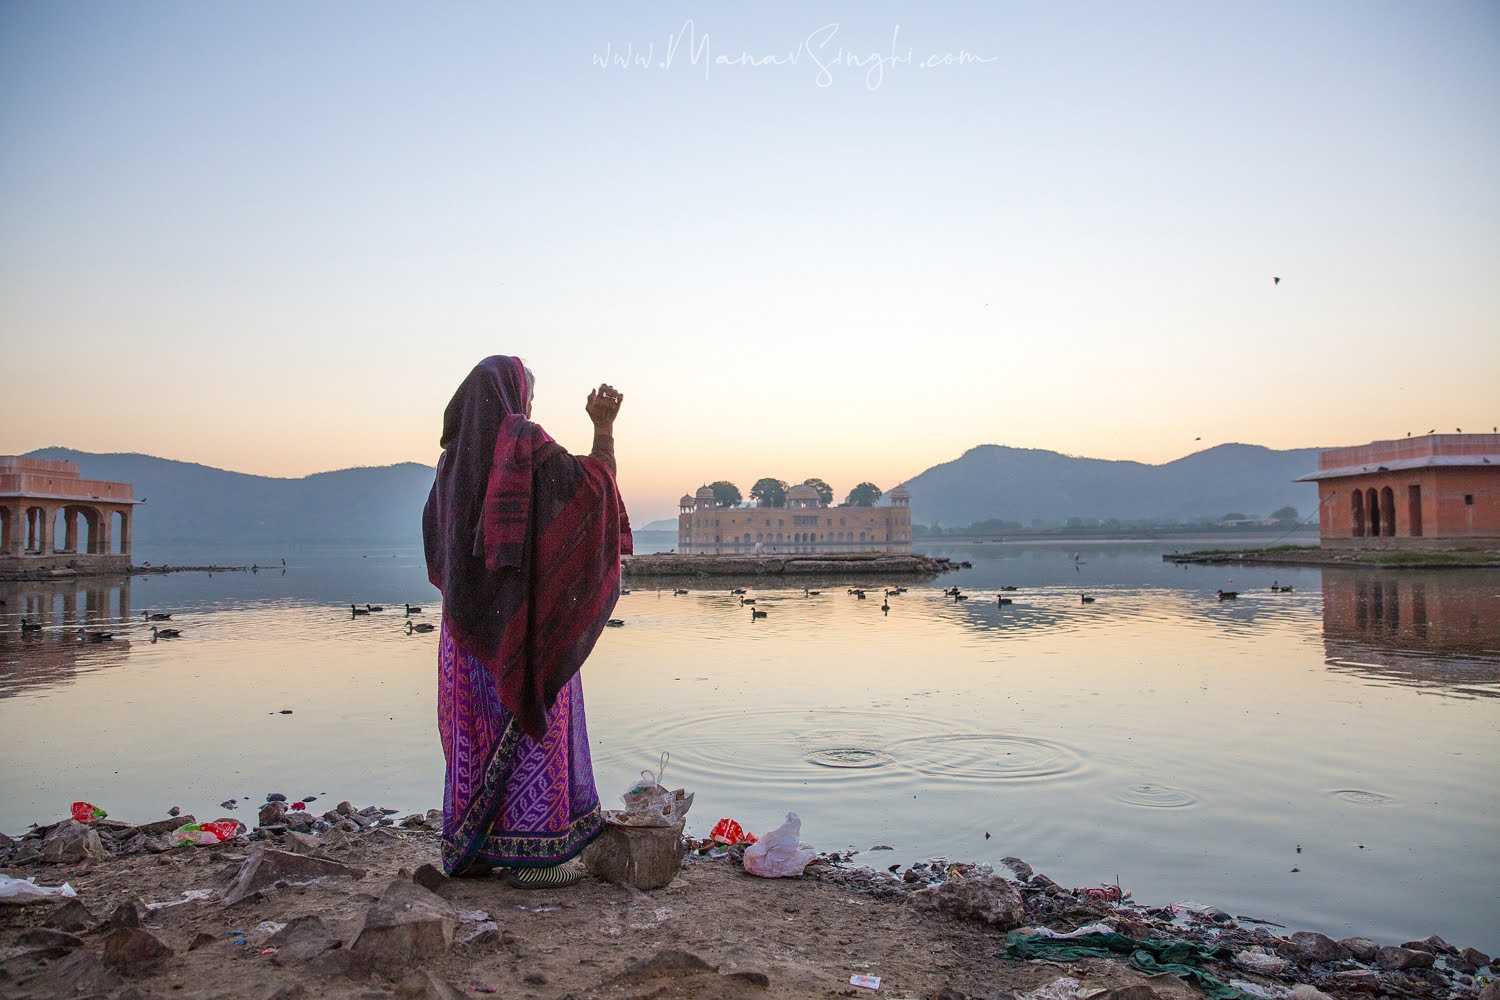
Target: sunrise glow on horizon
803,240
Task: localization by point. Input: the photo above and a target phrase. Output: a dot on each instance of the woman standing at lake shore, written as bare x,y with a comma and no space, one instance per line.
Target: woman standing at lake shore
523,540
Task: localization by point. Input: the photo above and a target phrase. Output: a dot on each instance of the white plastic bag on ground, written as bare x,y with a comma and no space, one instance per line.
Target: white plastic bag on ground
20,890
779,854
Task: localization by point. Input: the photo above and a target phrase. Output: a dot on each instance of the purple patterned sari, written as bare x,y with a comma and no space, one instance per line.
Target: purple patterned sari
508,800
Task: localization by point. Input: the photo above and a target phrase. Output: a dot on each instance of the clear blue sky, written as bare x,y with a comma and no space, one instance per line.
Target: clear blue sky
273,238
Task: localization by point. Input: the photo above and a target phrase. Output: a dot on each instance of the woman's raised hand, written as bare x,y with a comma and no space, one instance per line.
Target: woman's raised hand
604,405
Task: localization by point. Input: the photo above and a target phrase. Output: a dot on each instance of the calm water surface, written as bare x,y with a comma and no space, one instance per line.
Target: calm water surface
1186,746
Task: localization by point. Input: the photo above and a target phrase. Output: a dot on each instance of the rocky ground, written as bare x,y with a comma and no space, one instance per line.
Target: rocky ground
350,904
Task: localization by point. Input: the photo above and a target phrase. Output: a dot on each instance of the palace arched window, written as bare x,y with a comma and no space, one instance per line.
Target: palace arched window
1357,513
1388,507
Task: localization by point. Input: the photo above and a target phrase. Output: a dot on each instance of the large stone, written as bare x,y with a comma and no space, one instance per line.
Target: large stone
1361,948
429,878
70,842
1392,957
303,938
646,857
265,867
161,827
406,925
337,840
302,843
1491,990
1317,947
127,914
1433,944
1474,957
989,899
1356,979
273,814
70,915
128,948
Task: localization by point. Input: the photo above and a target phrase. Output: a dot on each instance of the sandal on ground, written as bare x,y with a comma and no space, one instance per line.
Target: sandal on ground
555,877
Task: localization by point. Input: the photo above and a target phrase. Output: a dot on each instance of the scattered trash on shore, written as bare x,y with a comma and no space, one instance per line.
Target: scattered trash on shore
1040,920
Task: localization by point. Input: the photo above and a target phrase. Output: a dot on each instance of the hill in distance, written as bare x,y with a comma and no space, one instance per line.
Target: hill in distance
1026,484
186,502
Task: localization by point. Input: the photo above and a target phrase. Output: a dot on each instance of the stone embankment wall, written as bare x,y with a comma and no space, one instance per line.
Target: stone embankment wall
871,564
62,565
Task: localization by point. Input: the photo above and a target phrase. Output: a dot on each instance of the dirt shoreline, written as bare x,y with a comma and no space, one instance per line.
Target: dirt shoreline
358,910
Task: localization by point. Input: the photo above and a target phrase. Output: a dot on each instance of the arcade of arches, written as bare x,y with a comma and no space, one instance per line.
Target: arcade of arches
1436,491
51,518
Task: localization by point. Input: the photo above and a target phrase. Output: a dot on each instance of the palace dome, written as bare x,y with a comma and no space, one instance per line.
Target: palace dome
705,493
686,501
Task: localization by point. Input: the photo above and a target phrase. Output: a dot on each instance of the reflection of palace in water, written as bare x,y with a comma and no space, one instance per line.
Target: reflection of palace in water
62,608
1424,628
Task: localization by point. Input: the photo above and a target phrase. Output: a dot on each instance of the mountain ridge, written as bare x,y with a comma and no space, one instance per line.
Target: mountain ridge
193,502
1026,484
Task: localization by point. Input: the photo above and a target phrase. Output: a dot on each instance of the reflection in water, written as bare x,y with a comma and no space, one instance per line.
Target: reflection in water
63,608
1438,629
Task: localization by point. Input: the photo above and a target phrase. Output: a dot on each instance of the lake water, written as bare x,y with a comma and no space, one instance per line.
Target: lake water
1324,758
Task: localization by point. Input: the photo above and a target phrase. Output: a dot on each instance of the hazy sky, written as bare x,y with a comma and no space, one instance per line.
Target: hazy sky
836,240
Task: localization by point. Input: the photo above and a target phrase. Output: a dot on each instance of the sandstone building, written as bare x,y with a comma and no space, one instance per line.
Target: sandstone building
51,518
1437,491
805,524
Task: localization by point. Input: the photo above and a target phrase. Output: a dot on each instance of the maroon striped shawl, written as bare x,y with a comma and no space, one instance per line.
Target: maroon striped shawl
523,540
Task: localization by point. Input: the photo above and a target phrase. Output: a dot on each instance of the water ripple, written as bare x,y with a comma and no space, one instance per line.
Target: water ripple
1156,797
987,757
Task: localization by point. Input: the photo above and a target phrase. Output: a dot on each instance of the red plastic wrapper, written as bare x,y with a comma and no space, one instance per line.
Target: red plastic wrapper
85,812
221,828
299,805
727,831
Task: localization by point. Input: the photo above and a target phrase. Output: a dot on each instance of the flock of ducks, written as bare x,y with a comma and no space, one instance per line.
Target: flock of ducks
956,593
88,635
1276,588
412,628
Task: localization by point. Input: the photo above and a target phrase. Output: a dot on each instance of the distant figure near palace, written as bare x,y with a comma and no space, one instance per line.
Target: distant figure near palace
1440,491
805,524
53,519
